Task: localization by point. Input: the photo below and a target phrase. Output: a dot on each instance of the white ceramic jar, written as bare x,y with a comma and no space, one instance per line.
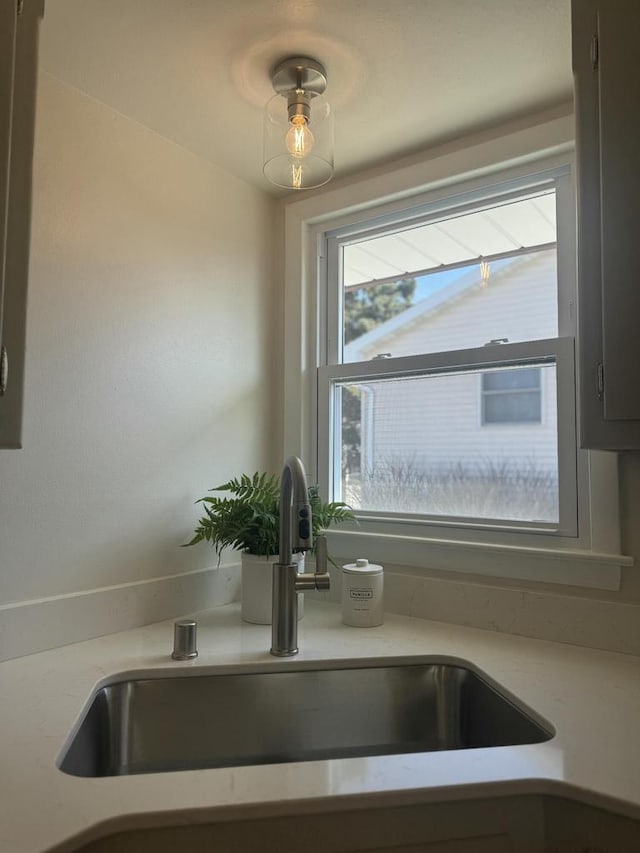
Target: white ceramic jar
362,594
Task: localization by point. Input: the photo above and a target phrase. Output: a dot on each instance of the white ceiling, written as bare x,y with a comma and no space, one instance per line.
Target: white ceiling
403,74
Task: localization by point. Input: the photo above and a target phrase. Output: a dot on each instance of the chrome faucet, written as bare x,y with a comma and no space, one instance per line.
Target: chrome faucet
296,534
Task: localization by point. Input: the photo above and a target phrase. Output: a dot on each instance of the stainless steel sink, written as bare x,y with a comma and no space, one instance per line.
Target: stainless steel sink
321,711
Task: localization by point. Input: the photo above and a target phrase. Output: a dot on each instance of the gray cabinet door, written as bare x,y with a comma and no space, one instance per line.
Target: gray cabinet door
607,88
18,207
8,15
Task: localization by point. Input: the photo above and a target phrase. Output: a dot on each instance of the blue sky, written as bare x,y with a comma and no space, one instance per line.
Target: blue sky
428,284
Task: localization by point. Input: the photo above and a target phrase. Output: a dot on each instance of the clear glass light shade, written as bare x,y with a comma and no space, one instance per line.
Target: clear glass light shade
298,156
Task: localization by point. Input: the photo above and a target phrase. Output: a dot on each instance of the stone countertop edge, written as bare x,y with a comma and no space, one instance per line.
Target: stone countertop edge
591,699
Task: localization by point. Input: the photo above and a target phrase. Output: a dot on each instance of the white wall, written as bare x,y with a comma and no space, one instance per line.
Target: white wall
150,367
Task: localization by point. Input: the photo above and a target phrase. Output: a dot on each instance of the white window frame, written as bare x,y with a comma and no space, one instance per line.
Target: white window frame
589,559
500,188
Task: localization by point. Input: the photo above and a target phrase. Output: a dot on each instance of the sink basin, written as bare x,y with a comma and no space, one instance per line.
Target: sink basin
317,711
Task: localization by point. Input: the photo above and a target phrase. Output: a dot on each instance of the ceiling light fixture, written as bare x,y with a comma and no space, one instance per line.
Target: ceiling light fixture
298,126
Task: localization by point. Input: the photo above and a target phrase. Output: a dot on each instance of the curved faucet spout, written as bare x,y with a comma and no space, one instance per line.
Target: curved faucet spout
295,511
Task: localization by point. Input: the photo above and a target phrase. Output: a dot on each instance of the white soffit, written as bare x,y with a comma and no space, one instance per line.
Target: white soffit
510,227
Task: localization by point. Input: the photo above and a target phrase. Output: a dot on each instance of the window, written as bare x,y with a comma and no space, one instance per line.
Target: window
512,396
424,308
430,375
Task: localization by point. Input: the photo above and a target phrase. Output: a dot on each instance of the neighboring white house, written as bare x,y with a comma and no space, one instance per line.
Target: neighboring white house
501,422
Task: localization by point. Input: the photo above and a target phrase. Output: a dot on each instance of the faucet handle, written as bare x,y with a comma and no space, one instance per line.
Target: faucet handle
322,578
321,553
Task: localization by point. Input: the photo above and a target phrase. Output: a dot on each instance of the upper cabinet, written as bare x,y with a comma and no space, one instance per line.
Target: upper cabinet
606,67
19,20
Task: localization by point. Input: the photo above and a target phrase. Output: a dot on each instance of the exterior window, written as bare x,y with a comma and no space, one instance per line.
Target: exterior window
512,396
423,309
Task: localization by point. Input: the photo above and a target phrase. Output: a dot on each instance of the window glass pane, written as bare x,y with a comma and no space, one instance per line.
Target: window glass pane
520,379
419,445
511,396
513,408
452,299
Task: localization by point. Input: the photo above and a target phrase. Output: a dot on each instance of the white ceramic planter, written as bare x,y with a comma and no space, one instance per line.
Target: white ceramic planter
257,584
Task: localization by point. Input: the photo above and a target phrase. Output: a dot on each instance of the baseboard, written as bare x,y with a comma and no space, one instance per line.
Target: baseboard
27,627
594,623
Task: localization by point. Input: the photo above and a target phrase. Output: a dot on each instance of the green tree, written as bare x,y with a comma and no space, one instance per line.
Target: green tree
368,307
364,310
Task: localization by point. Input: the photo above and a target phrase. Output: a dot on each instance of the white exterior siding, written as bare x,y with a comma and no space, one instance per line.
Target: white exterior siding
519,302
436,422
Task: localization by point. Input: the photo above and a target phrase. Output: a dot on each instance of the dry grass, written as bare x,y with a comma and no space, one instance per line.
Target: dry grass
508,491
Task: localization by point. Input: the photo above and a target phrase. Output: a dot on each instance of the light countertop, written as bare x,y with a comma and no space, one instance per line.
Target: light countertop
591,698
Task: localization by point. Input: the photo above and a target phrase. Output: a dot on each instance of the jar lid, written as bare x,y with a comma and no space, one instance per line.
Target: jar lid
362,566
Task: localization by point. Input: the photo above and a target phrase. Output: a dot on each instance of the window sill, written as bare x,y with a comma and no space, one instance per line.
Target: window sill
543,565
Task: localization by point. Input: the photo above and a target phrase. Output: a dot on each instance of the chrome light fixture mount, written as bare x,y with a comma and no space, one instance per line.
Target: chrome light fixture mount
298,126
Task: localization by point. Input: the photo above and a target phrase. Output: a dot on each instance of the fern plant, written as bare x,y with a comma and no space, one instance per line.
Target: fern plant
250,519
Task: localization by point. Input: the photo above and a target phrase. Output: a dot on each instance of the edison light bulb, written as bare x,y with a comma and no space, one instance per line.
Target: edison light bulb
299,139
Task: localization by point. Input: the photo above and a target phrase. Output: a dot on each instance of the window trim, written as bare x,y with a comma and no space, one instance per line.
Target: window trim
595,561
